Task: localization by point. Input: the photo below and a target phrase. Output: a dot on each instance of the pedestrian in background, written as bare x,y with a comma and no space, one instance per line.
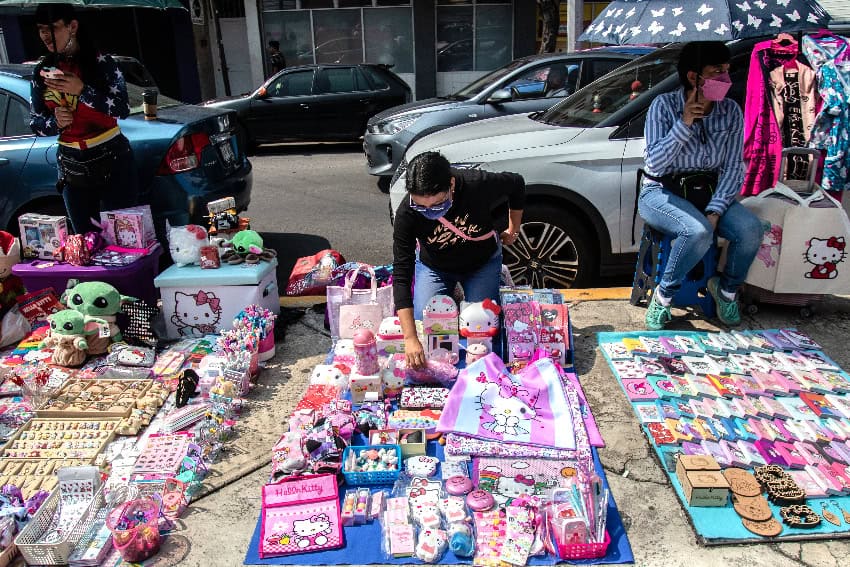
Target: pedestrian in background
79,94
276,59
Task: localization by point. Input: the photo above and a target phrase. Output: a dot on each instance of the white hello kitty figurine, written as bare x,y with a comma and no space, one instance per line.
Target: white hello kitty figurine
328,374
479,322
392,376
185,242
390,338
440,316
196,314
431,544
825,254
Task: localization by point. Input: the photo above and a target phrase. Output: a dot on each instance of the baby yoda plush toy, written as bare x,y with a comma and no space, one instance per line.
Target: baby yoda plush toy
247,246
67,336
97,301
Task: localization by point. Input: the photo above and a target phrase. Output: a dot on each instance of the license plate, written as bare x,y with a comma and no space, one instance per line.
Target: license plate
227,152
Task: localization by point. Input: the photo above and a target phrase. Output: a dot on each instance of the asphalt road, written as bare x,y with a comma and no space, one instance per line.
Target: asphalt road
322,190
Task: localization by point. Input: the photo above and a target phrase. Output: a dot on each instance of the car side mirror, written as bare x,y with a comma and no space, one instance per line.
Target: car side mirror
262,92
501,95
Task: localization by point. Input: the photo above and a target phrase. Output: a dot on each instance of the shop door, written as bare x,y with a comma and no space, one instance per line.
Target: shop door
234,36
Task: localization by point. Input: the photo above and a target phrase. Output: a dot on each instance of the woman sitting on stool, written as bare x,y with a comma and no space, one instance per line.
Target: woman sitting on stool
694,171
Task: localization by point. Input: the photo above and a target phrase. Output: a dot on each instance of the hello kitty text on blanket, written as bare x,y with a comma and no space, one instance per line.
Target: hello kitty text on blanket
531,407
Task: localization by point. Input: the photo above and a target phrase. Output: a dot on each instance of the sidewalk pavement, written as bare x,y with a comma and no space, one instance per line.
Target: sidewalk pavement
218,527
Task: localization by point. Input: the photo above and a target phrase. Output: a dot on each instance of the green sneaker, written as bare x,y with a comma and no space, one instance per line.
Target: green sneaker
727,311
657,315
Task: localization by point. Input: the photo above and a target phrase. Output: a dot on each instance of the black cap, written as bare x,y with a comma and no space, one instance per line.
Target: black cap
48,13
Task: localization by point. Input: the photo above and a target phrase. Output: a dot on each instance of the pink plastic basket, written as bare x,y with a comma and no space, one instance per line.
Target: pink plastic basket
584,550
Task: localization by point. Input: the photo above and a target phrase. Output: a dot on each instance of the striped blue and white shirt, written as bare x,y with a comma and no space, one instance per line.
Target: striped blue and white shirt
674,147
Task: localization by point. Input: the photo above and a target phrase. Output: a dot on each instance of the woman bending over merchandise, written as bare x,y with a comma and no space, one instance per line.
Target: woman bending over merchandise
694,171
444,235
79,94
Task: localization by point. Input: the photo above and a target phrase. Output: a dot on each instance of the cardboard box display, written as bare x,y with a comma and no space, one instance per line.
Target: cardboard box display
701,480
128,228
413,442
41,235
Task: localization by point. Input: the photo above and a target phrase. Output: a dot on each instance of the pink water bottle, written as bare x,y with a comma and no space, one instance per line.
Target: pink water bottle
365,353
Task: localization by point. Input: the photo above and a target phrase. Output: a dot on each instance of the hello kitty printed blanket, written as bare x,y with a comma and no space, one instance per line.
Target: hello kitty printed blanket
530,407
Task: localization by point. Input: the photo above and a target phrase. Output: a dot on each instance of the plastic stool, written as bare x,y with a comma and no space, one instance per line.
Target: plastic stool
652,260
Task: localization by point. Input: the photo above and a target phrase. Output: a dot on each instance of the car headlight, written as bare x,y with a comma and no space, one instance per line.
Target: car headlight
395,125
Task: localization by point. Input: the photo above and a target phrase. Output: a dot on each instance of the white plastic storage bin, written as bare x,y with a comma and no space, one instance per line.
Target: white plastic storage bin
197,302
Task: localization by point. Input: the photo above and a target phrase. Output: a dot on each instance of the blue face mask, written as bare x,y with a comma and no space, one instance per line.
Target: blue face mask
435,212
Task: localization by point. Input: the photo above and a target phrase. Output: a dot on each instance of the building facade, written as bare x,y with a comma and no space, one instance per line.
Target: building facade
436,46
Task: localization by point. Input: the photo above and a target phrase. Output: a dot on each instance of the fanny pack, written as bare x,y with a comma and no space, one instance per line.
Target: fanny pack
696,187
85,173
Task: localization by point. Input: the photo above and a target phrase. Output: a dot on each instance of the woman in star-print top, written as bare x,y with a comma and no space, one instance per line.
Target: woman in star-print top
80,94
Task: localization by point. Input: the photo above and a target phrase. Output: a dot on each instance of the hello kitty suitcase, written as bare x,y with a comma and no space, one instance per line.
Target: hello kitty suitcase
300,515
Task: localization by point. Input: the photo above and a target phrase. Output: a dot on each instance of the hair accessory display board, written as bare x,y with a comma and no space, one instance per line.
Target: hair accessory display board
795,414
363,542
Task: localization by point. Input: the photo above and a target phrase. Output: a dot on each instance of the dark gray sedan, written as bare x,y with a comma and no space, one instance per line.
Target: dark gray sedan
527,84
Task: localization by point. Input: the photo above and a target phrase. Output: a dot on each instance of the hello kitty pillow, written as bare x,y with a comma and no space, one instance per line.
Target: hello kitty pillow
185,242
479,319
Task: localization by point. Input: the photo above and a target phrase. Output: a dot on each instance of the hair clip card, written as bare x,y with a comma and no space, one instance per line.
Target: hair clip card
672,365
628,369
816,359
703,427
718,452
700,365
819,405
634,346
812,380
673,346
684,387
800,339
702,385
663,386
840,405
805,481
725,364
725,385
667,409
692,345
660,433
638,389
840,381
648,413
653,346
790,362
689,448
751,453
779,341
650,366
616,351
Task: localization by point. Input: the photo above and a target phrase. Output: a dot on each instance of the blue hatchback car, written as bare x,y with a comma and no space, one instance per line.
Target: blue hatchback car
187,157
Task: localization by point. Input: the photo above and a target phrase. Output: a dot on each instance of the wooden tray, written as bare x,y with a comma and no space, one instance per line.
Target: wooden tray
90,414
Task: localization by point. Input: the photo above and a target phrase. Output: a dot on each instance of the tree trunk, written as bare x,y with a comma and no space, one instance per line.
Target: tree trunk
551,12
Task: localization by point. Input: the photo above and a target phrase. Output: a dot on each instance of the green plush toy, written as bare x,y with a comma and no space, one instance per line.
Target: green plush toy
247,246
67,336
97,301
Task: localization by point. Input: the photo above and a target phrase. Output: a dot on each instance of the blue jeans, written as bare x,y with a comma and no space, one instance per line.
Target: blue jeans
120,192
479,285
692,237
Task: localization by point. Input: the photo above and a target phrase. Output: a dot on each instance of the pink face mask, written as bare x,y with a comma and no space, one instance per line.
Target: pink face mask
715,88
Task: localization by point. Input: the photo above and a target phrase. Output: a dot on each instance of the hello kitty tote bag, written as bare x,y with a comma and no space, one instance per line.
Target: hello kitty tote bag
300,515
804,240
351,309
530,407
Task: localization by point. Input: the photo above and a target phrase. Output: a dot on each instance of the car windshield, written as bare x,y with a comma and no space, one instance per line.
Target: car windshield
135,94
476,87
600,99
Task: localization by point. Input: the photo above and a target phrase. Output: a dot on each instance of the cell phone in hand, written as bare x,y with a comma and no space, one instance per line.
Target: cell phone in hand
51,73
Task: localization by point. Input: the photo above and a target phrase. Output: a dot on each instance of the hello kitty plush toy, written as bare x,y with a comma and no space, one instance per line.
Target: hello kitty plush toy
185,242
331,375
479,322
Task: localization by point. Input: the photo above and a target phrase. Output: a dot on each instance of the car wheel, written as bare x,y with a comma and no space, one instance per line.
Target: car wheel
384,183
553,250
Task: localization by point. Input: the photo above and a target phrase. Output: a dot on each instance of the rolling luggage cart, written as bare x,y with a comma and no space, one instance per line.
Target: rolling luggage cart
752,296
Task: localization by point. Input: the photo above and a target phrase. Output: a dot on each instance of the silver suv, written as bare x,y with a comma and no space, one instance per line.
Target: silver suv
580,160
525,85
